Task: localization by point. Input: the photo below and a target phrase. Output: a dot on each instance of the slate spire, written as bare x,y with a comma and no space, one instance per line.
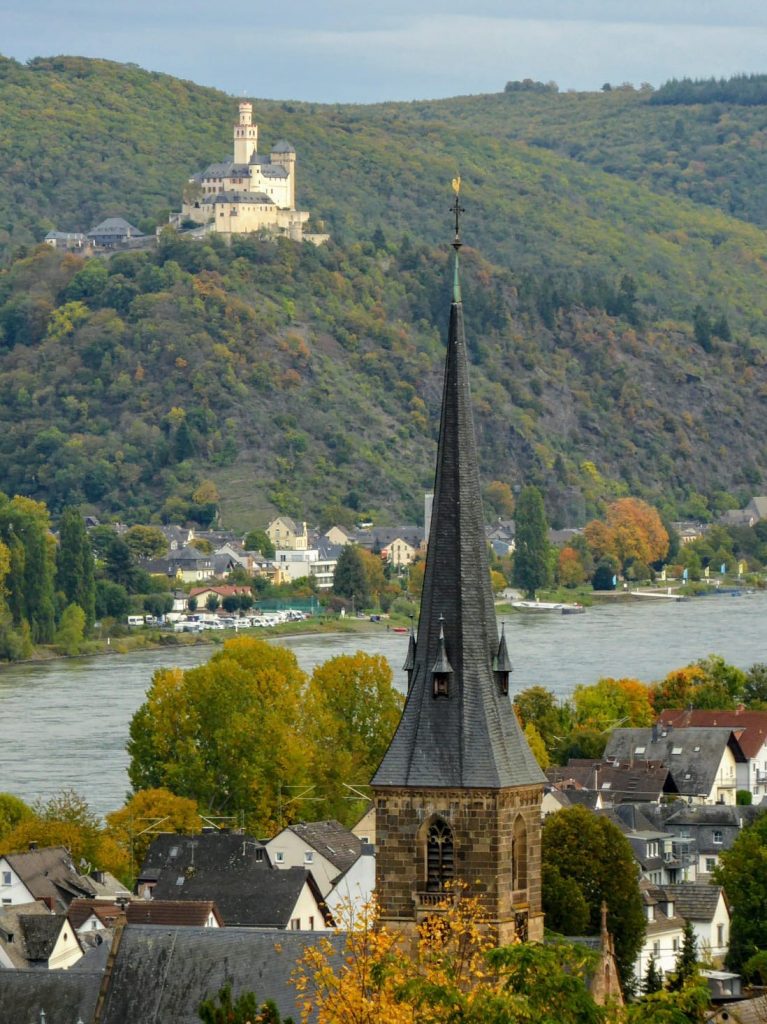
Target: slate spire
458,728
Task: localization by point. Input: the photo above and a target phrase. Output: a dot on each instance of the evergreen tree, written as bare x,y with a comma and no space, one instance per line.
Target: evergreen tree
350,579
74,574
686,966
653,979
531,553
702,327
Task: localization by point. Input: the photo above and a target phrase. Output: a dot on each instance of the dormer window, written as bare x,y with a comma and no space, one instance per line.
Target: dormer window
441,669
502,664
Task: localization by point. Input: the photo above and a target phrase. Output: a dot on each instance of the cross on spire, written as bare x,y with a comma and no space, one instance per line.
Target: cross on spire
456,209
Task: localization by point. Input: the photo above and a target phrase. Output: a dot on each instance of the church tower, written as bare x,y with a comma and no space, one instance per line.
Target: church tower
458,793
245,135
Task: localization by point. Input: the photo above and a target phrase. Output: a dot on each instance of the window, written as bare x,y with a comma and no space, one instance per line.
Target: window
717,837
7,878
311,924
6,902
439,856
720,935
279,857
519,854
676,750
259,855
309,857
639,750
656,948
295,924
710,864
675,945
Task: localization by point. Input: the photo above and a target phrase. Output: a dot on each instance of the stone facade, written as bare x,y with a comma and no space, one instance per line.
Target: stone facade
496,849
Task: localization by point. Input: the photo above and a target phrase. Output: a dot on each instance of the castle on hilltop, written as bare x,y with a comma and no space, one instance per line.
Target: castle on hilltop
250,192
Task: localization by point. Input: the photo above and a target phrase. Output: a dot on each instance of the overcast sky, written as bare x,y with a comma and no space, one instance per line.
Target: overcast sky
353,50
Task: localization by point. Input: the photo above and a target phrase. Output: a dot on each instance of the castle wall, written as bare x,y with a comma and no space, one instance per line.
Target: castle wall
483,823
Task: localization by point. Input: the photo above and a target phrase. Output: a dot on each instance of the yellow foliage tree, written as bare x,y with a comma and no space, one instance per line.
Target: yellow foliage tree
134,826
608,702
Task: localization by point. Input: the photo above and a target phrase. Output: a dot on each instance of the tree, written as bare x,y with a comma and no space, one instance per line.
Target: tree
686,966
351,710
608,702
499,497
653,979
258,540
25,531
225,1009
594,853
71,631
632,532
451,974
531,564
225,734
742,870
134,826
12,811
540,708
570,572
74,567
146,541
350,579
112,600
158,604
604,575
212,602
570,911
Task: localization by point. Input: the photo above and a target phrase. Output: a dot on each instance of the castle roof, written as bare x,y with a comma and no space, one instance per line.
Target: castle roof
283,146
471,737
226,169
240,197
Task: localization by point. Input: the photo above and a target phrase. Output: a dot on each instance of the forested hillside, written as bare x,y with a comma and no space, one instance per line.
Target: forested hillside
617,316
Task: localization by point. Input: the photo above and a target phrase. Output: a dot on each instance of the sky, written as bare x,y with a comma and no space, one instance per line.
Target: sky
355,51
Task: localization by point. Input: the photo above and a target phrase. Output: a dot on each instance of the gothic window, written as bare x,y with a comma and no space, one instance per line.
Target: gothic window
439,856
519,854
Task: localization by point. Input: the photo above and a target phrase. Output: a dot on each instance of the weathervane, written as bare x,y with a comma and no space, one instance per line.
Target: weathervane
457,209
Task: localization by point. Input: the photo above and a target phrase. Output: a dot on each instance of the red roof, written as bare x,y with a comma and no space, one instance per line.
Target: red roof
750,727
227,590
172,912
107,911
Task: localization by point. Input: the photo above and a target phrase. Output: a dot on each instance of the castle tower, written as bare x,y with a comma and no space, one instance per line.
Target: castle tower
285,155
245,135
458,793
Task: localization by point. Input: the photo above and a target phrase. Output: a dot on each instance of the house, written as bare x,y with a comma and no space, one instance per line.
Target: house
616,781
664,931
750,729
189,913
163,974
701,832
47,875
112,232
201,594
338,536
327,848
178,537
653,848
89,917
32,937
701,762
399,544
757,509
365,829
235,872
69,241
706,908
288,535
354,888
188,564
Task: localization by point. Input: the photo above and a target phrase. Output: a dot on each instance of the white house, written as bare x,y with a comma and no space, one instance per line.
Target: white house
45,875
705,907
354,889
32,937
326,848
665,931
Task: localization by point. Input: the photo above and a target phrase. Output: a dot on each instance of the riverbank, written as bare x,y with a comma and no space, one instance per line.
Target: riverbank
143,639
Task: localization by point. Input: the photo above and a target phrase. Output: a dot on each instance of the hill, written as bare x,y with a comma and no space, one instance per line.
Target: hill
301,379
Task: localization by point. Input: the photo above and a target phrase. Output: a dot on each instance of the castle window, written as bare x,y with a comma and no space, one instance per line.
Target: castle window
439,856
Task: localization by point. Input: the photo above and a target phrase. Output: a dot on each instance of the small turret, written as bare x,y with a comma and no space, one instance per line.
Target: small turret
502,667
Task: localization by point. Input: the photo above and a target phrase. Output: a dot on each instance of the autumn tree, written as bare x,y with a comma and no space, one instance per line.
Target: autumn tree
498,495
608,702
374,574
594,853
225,734
452,973
134,826
632,532
531,551
540,708
350,712
12,811
570,571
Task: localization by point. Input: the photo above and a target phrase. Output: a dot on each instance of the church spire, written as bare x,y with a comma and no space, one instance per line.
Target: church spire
458,728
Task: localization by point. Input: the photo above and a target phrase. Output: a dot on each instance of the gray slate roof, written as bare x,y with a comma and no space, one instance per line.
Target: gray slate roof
695,901
65,996
240,197
49,875
283,146
41,932
471,737
333,840
692,755
162,974
114,226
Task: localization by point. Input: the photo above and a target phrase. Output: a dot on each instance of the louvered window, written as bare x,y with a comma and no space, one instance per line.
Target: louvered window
439,856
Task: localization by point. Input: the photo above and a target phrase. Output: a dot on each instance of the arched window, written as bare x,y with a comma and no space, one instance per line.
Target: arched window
439,856
519,854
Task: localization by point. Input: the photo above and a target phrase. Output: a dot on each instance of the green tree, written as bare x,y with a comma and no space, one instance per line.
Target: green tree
146,541
225,1009
653,979
158,604
686,966
112,600
351,710
569,910
742,870
258,540
12,811
74,568
539,707
212,602
594,853
71,632
350,580
226,734
25,530
531,552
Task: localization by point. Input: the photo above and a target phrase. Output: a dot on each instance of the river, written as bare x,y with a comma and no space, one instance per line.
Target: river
65,723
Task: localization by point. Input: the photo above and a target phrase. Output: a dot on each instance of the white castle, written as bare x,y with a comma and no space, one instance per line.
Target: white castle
250,192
